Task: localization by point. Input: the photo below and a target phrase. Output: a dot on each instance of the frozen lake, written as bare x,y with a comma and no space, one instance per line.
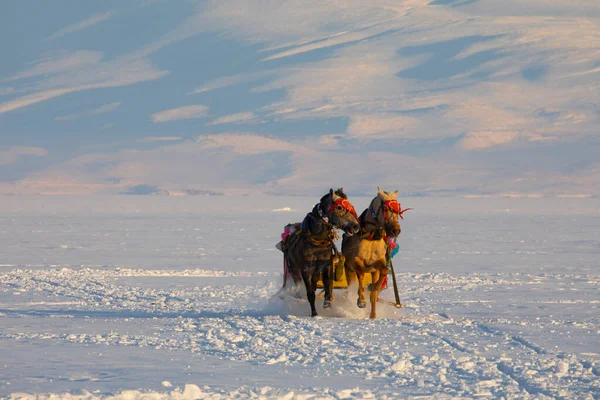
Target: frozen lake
102,295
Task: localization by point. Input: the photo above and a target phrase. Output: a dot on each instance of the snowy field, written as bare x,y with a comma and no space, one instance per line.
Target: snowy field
173,298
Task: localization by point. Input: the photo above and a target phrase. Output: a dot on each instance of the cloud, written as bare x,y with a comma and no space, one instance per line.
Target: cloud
9,155
30,99
6,91
61,62
100,110
234,118
109,125
226,81
335,40
185,112
440,71
252,164
86,23
247,163
482,140
160,139
297,23
492,78
242,161
82,70
382,126
249,144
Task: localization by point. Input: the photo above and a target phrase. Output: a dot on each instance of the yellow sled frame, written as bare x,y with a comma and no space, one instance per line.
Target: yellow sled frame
339,273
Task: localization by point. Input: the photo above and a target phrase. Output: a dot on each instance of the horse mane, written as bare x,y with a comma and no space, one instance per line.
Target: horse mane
339,192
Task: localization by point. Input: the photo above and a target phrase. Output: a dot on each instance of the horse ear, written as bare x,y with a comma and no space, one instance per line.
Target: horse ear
334,196
395,195
380,192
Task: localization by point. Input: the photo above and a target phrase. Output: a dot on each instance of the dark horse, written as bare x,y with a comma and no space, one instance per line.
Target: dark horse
309,251
369,252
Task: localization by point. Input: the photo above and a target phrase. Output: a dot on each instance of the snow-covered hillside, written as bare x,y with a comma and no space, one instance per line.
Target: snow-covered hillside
173,297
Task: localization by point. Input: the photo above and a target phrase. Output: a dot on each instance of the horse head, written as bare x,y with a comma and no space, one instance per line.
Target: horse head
340,212
387,210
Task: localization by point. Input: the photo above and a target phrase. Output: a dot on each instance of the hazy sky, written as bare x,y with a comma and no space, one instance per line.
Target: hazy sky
240,96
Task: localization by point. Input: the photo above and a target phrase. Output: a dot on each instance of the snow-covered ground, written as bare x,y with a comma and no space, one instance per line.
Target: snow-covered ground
173,297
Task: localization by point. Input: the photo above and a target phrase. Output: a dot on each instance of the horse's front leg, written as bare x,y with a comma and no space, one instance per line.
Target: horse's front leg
359,265
313,283
377,277
327,286
351,277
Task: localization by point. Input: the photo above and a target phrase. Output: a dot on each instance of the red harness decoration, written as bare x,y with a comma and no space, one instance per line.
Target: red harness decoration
395,207
345,204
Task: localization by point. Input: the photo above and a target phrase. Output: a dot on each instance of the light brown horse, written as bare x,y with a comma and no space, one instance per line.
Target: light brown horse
369,251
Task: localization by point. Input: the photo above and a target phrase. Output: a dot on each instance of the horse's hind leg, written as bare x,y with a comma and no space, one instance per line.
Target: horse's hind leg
297,280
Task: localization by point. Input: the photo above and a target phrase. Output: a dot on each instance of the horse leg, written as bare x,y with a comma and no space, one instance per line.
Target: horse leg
310,291
314,279
327,287
351,277
377,276
297,278
361,302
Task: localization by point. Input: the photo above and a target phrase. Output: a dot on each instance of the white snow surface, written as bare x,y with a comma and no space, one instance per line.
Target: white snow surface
160,297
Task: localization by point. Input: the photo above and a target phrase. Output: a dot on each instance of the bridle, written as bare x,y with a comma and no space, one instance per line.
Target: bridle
394,207
345,204
387,208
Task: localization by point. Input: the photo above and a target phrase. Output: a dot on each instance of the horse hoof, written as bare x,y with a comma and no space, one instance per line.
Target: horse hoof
361,304
314,315
327,304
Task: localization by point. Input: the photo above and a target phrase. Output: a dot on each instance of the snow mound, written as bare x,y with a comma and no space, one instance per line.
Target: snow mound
193,392
293,302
